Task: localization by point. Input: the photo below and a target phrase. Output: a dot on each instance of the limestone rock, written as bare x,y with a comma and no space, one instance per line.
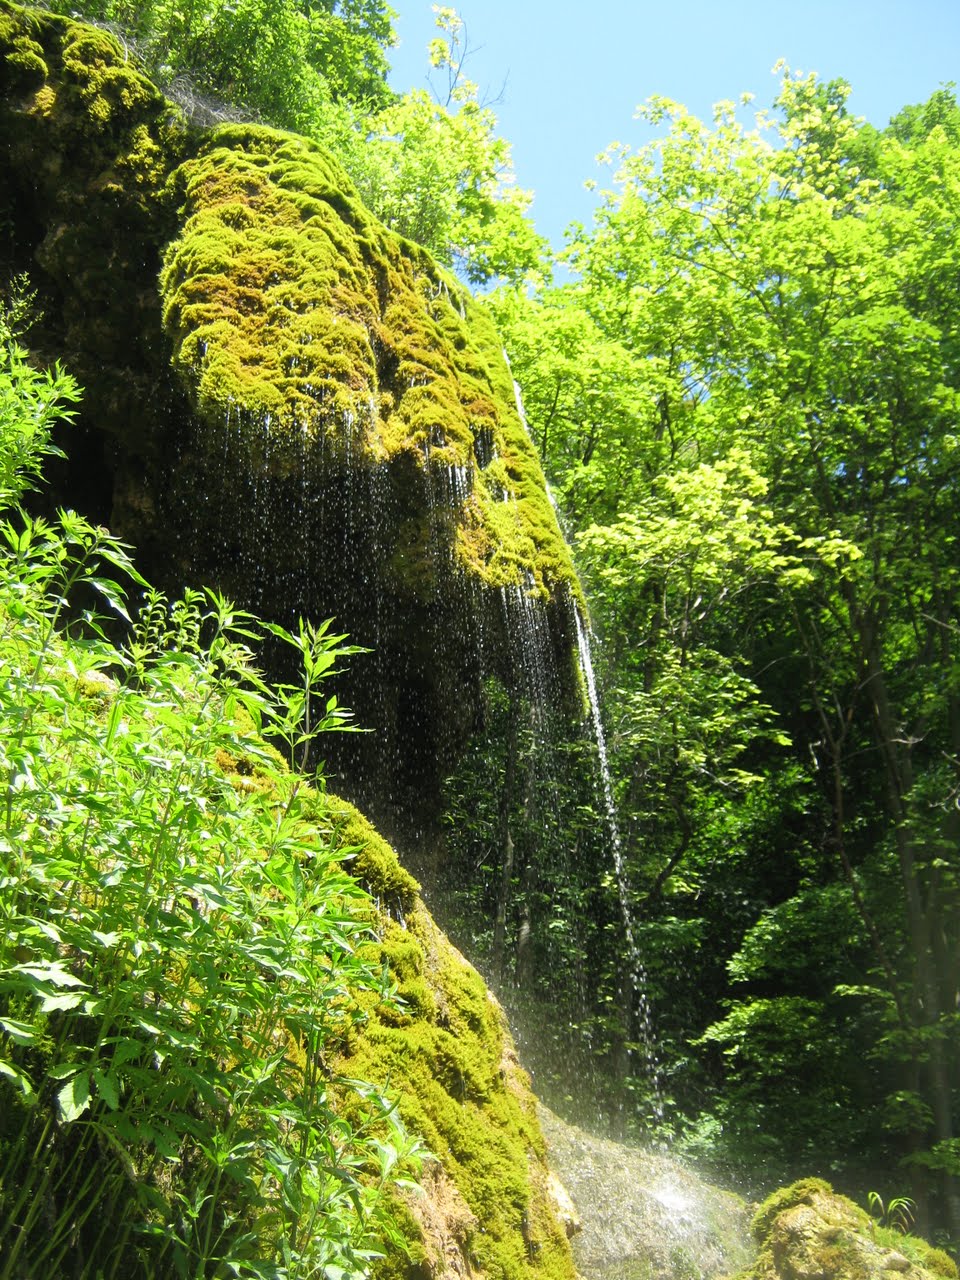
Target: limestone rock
566,1210
808,1232
643,1215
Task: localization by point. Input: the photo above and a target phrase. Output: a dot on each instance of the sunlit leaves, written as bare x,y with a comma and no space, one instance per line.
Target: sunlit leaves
178,951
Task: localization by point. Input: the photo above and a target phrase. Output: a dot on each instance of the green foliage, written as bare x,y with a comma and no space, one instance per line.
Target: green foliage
526,885
291,62
434,170
898,1212
179,955
747,400
31,403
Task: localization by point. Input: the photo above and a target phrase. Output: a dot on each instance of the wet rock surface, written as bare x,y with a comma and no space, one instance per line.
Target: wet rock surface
643,1216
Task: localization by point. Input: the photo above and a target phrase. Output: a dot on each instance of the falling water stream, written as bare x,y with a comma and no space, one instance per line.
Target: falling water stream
640,1005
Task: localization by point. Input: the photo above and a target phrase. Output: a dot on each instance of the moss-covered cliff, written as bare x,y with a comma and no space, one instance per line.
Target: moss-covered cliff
483,1207
282,398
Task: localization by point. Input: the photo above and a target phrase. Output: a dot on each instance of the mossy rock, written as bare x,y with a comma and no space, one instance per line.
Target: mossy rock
282,399
295,313
440,1047
808,1232
449,1060
443,1050
288,308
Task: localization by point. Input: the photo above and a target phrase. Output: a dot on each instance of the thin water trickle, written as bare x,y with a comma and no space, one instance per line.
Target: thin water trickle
640,1005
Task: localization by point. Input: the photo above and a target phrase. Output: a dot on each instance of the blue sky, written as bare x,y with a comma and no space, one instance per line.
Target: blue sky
573,74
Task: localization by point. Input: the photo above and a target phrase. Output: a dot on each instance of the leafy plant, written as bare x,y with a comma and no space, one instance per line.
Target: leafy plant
897,1213
179,944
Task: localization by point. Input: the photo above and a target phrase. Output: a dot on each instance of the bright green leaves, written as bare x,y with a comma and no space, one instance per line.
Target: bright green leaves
304,714
435,170
747,402
180,949
289,62
31,403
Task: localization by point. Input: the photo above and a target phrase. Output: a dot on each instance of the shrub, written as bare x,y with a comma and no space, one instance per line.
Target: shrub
177,952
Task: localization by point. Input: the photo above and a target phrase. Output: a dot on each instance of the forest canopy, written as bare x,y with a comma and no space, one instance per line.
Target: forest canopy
747,398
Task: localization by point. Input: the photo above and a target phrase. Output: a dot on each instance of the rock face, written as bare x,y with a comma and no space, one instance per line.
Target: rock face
282,399
808,1232
485,1207
642,1216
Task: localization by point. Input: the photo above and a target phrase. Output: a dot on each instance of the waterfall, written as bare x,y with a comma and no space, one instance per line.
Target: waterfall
322,521
639,1003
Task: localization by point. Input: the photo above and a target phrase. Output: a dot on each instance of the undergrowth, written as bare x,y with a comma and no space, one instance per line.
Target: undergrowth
178,954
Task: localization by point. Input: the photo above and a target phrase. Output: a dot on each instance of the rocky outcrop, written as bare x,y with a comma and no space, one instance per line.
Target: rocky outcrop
808,1232
282,399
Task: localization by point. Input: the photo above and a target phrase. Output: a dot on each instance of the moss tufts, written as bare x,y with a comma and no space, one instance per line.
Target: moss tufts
295,316
372,861
451,1065
939,1263
802,1192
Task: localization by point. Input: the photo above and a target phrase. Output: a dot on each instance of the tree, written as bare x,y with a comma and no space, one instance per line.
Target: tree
435,170
290,60
781,297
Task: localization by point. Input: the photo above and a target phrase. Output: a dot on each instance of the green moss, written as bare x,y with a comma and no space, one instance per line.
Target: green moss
459,1087
801,1192
373,861
294,315
87,149
938,1262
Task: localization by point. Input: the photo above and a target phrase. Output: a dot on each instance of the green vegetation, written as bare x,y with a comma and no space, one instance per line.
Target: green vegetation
445,1049
287,303
179,953
746,398
194,992
294,63
431,168
289,306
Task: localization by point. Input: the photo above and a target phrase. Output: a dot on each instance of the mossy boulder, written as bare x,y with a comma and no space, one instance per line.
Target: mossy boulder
808,1232
282,399
485,1206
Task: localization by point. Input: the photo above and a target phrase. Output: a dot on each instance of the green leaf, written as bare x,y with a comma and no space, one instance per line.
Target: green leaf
53,973
55,1003
19,1078
107,1088
74,1098
21,1032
